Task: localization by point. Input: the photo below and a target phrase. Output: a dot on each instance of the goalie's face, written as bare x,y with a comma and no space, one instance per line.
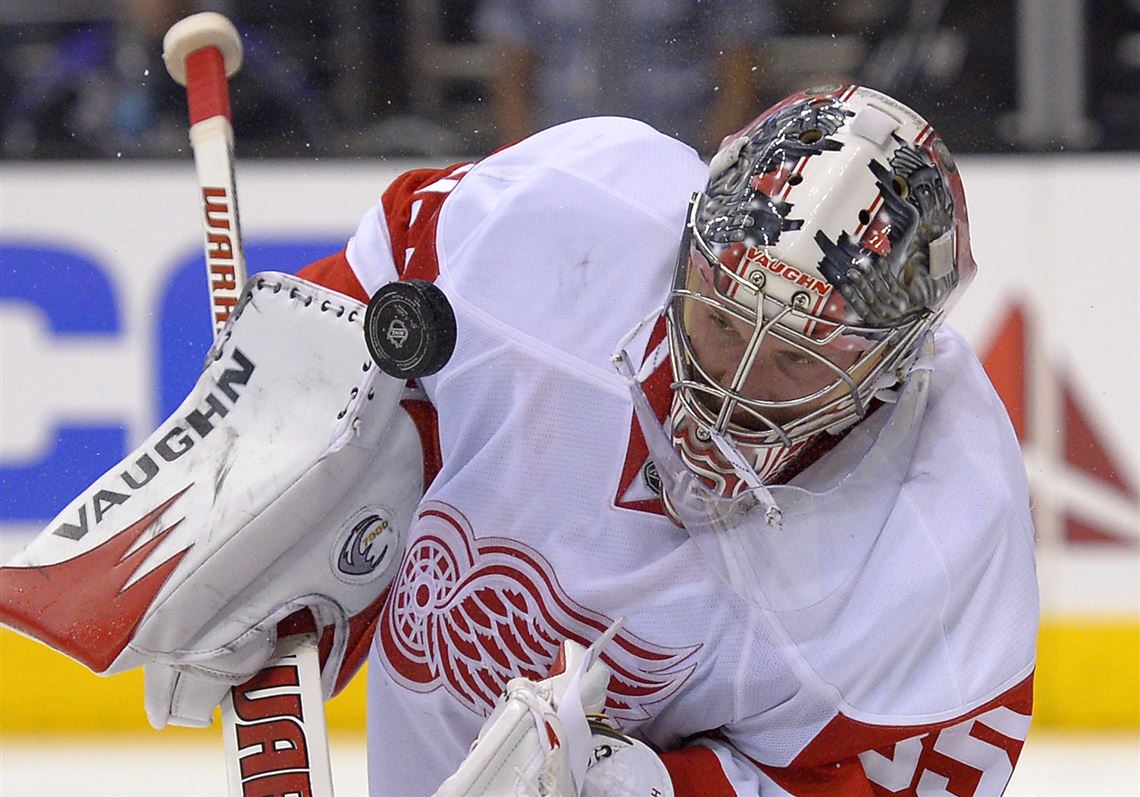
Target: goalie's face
760,374
780,378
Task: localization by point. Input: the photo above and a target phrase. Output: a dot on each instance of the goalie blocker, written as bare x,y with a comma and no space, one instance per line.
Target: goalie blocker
551,738
285,481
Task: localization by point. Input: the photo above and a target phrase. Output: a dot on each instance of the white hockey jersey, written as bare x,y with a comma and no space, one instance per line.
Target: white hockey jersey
542,522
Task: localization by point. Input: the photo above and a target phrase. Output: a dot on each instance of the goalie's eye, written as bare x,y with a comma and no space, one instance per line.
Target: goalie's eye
797,359
720,321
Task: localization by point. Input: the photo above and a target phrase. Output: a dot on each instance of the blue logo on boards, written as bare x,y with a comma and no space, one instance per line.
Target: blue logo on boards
78,301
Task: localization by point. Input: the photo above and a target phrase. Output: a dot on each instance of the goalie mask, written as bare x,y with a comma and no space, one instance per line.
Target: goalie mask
830,239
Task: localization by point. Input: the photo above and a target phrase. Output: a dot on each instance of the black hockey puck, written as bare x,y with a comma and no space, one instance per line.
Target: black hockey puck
409,328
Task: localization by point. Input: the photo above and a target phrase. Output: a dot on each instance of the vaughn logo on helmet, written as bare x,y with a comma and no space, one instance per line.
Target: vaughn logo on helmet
176,441
759,259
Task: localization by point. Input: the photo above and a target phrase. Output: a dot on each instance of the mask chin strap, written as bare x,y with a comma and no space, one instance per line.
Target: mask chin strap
888,387
620,355
730,452
747,473
698,506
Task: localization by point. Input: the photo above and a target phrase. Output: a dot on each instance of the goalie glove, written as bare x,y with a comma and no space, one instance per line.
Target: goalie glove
550,738
284,483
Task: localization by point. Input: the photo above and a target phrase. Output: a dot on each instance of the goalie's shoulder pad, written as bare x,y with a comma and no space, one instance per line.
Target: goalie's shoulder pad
286,479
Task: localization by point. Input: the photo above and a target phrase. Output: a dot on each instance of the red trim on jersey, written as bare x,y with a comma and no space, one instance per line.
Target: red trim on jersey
412,214
830,764
335,273
696,772
841,779
397,205
658,390
844,737
426,419
361,630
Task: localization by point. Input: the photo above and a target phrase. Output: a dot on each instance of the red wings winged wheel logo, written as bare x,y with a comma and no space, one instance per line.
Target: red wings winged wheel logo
469,614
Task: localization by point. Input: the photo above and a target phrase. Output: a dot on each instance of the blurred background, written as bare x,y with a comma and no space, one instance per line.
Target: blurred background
354,78
103,321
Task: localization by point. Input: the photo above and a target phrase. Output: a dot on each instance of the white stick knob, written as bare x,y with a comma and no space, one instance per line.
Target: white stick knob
208,29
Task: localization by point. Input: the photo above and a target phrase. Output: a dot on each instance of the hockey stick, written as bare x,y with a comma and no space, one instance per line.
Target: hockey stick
273,726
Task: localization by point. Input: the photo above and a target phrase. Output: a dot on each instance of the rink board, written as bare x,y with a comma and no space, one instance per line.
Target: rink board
1088,678
104,325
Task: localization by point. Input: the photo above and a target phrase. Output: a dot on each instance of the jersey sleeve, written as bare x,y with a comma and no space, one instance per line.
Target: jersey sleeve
713,768
394,239
972,755
919,678
334,272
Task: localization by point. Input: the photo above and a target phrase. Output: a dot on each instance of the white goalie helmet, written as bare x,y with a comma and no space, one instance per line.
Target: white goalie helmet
830,239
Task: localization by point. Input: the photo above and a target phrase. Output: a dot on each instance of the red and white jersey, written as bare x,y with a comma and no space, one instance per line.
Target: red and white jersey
542,523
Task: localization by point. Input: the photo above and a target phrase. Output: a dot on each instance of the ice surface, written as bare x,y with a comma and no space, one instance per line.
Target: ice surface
1052,765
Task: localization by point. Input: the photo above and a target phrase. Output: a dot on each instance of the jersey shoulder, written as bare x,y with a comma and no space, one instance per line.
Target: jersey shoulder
567,238
958,551
968,440
935,630
939,612
608,155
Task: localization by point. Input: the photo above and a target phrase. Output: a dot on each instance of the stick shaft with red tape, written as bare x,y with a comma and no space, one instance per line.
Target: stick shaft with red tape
273,726
201,52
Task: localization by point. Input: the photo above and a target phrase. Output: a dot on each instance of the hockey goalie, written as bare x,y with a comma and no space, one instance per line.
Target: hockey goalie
707,501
